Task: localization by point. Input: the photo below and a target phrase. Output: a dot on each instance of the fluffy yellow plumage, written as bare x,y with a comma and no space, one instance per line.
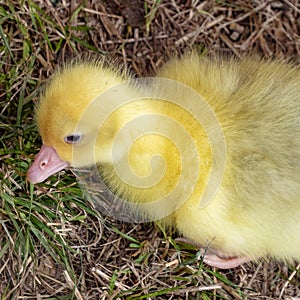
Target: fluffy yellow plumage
254,212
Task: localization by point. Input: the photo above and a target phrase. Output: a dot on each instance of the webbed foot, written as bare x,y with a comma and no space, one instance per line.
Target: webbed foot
217,258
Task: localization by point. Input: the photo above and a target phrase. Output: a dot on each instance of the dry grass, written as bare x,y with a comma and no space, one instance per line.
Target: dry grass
53,244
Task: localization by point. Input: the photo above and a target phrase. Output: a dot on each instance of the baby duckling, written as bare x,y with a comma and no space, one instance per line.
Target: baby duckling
237,195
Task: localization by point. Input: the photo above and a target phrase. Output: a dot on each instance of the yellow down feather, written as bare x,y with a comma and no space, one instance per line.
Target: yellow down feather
255,211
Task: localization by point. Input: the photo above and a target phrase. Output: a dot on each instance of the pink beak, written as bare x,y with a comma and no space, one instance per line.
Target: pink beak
46,163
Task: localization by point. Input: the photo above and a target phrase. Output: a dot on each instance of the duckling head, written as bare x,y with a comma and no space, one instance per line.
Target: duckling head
71,123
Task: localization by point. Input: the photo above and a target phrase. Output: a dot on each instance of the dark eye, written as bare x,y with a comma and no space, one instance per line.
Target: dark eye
73,138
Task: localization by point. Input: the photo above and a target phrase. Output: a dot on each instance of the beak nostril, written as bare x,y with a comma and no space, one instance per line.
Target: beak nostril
43,164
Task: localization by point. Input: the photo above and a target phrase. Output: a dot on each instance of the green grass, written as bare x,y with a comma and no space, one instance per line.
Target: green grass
26,211
50,236
150,13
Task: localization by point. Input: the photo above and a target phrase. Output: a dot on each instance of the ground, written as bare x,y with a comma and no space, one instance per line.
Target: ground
54,244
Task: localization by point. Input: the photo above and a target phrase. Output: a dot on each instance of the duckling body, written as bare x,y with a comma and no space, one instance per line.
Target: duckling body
258,106
255,210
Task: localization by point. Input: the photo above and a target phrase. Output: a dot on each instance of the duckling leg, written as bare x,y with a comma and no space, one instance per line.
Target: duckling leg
216,258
